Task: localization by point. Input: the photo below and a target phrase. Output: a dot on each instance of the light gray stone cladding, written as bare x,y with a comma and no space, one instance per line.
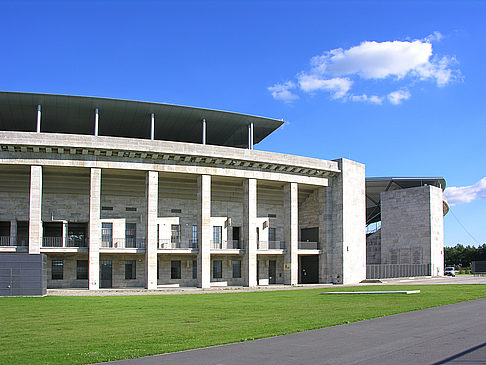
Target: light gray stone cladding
412,227
162,202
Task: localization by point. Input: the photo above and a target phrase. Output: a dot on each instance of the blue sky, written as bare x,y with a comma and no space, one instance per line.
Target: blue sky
398,86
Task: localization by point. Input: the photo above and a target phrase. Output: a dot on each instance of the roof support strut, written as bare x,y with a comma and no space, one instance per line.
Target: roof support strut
152,126
203,131
250,136
38,118
97,116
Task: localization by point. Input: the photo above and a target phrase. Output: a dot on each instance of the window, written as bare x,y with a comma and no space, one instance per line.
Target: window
82,270
271,234
57,269
217,234
131,235
175,233
194,269
217,269
194,236
130,269
106,234
236,268
175,269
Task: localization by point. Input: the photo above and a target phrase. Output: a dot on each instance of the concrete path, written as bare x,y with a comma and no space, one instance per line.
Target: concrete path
451,334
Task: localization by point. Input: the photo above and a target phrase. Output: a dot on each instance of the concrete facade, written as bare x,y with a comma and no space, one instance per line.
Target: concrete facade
130,212
412,227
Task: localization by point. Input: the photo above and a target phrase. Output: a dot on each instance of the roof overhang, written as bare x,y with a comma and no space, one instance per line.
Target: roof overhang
132,119
377,185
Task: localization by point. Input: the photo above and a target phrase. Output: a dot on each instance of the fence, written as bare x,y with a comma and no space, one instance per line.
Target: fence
386,271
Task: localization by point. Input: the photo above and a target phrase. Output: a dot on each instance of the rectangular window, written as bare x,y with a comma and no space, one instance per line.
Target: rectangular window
271,234
175,233
130,269
194,269
130,235
57,269
107,234
194,236
236,268
217,234
217,269
175,269
82,270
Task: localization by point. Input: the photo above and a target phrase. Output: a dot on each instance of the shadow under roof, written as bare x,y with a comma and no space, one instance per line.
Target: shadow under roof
126,118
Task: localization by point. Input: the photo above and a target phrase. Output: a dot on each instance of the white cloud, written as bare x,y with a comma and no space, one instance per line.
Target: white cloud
405,62
337,86
396,97
373,99
466,194
282,92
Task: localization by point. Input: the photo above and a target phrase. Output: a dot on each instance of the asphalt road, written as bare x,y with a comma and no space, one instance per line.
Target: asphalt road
451,334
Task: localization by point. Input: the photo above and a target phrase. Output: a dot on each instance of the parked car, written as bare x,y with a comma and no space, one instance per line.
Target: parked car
449,271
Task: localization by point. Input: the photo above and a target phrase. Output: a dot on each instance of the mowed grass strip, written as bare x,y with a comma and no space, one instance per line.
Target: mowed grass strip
80,330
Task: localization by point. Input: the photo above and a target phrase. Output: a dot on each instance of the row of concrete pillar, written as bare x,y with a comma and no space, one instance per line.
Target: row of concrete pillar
204,227
152,127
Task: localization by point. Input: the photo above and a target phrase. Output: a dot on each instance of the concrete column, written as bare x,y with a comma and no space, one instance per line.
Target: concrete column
38,129
291,233
204,234
203,131
152,126
250,136
97,116
249,232
35,210
64,233
13,232
152,195
349,224
94,228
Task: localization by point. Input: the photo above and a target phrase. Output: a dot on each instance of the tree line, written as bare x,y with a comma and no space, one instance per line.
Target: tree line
464,255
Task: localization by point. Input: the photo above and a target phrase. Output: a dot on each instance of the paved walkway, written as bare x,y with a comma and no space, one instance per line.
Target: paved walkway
451,334
460,279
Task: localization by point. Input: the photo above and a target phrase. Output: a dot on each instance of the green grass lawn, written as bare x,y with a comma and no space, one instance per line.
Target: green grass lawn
57,330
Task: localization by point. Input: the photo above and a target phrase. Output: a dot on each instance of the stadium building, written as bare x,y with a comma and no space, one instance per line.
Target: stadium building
117,193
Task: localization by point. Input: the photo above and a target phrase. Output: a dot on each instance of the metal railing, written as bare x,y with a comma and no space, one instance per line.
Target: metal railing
308,245
51,241
271,245
5,241
77,241
123,243
169,244
386,271
225,245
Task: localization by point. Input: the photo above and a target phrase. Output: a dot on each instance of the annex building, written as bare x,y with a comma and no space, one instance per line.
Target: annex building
119,193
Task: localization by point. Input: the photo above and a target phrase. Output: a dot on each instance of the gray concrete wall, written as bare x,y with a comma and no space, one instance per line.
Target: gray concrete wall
412,227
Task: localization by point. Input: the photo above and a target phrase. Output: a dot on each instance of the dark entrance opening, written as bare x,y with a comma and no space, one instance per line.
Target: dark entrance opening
105,274
309,269
272,272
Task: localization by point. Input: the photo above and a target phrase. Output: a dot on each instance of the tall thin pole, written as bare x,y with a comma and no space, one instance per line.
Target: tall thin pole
204,131
97,115
152,126
38,118
250,136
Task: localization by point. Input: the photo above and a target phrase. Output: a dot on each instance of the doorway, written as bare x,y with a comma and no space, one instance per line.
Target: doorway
272,272
105,274
309,269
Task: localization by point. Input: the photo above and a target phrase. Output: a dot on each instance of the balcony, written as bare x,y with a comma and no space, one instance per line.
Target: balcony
8,245
51,241
309,246
225,245
123,243
169,244
270,245
77,241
